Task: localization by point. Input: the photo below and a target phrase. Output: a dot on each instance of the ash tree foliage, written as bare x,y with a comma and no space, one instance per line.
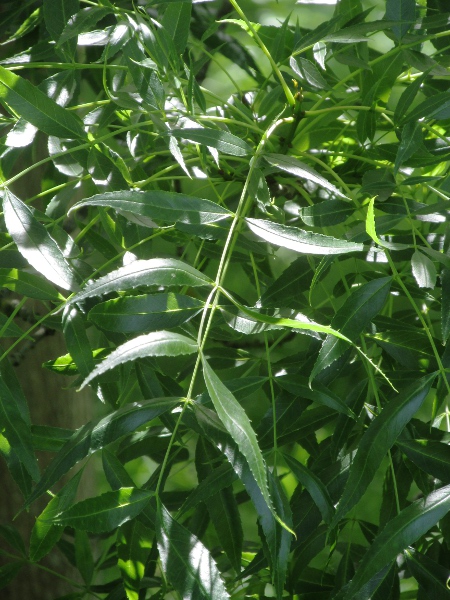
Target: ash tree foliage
242,235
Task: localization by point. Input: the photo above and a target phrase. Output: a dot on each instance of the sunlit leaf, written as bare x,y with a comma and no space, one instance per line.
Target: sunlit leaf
186,562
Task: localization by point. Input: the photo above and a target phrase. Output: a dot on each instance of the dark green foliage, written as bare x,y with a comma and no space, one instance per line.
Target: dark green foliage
241,233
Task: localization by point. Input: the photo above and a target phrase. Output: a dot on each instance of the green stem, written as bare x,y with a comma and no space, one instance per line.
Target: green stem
289,97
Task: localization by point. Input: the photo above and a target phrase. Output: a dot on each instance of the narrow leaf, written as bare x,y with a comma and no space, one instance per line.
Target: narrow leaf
221,140
156,271
45,534
158,343
34,106
105,512
299,240
433,578
145,313
165,206
423,270
28,285
300,169
14,426
308,73
379,437
432,457
97,434
403,11
357,312
186,562
401,531
315,487
238,425
35,243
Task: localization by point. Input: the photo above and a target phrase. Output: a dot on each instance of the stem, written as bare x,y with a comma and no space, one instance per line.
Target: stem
276,70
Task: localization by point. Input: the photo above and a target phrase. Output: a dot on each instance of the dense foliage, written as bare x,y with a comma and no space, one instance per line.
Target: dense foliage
242,235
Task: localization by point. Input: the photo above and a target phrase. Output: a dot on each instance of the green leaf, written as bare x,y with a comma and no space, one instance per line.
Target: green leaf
165,206
29,285
431,457
27,101
158,343
83,556
105,512
9,571
36,244
186,562
412,140
176,21
222,506
328,212
445,304
300,169
308,73
401,531
166,272
213,138
299,386
104,172
77,340
239,427
314,485
45,534
435,107
289,287
423,270
97,434
299,240
401,10
149,312
134,542
379,437
363,304
407,98
83,20
432,577
14,424
219,479
57,13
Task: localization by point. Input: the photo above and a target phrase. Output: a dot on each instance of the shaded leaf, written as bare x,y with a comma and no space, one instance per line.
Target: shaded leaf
432,457
221,140
432,577
315,487
403,11
379,437
328,212
105,512
363,304
221,505
403,530
14,425
97,434
145,313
